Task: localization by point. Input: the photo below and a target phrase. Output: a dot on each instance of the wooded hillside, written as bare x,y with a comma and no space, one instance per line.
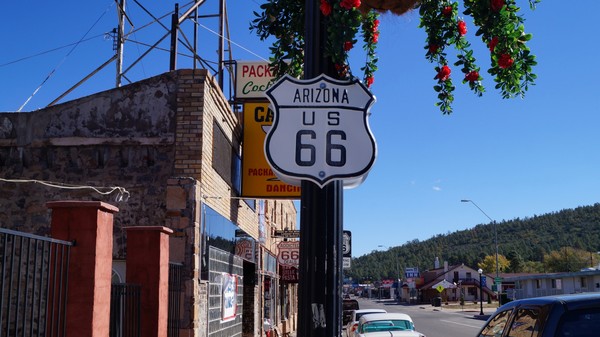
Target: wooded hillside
526,240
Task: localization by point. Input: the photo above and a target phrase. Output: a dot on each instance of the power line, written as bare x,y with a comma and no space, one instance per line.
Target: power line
49,51
122,193
229,40
64,58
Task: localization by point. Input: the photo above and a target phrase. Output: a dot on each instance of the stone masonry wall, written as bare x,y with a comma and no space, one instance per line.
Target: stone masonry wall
121,137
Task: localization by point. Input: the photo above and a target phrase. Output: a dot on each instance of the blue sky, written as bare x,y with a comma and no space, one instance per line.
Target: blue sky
514,158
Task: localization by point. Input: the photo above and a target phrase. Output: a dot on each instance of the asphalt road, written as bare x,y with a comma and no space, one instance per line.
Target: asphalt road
433,321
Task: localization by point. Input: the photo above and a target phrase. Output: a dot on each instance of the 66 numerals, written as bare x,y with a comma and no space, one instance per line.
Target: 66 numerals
306,150
335,152
286,255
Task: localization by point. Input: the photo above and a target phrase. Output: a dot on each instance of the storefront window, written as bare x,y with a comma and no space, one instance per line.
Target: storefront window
270,289
221,233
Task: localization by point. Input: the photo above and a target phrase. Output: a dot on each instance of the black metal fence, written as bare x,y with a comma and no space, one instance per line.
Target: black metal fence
175,274
125,310
125,306
33,285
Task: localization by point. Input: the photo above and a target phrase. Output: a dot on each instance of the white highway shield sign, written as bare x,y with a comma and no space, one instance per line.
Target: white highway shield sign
320,131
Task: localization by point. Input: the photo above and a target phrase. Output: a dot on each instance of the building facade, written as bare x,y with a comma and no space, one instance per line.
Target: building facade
450,283
518,286
166,151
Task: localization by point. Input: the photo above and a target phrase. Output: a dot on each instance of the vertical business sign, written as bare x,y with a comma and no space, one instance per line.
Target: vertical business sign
258,179
289,260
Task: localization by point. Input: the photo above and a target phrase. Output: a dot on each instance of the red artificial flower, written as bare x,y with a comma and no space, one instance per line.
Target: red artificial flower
375,24
447,11
444,73
349,4
433,48
348,45
325,7
496,5
505,61
472,76
370,81
493,43
342,69
375,37
462,28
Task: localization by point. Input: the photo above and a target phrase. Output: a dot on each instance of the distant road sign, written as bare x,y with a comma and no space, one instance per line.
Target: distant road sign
347,244
346,262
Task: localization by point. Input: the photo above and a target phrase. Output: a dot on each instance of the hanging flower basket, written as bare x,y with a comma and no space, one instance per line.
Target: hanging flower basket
397,7
497,22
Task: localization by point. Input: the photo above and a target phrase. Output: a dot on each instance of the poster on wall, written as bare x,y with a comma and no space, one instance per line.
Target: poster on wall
228,297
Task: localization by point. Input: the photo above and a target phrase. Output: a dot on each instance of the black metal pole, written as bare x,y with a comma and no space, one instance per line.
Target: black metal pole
321,218
480,296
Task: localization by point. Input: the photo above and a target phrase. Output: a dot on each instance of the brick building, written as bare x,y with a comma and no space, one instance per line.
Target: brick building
172,145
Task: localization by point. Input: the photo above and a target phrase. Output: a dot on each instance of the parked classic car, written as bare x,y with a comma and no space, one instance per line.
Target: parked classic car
551,316
386,325
355,315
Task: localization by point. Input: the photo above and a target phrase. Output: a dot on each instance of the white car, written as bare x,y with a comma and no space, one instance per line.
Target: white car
386,324
355,315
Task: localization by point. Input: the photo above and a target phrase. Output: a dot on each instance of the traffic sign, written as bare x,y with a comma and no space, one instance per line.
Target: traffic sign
320,131
346,262
347,244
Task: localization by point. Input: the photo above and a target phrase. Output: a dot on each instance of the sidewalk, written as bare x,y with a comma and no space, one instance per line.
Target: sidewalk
468,308
476,312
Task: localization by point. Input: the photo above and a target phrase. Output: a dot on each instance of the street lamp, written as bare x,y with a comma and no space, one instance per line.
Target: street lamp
397,272
495,236
480,292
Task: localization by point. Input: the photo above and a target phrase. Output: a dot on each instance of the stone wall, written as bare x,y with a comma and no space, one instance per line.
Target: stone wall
121,137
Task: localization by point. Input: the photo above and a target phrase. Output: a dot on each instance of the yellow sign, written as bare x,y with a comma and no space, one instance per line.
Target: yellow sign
258,180
440,288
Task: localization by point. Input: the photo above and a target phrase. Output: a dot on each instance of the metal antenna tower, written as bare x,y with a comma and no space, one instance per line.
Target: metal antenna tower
182,27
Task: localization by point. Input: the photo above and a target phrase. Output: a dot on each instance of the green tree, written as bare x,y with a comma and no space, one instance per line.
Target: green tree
516,262
566,259
489,264
532,267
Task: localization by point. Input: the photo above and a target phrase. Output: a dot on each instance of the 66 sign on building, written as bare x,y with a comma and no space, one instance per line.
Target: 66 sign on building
320,131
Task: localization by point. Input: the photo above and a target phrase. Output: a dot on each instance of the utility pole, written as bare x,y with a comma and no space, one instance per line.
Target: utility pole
321,223
120,42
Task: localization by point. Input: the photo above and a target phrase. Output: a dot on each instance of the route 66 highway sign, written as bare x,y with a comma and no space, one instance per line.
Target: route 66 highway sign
320,131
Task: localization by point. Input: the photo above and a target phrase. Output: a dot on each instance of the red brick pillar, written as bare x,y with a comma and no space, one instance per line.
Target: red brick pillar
90,225
148,266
